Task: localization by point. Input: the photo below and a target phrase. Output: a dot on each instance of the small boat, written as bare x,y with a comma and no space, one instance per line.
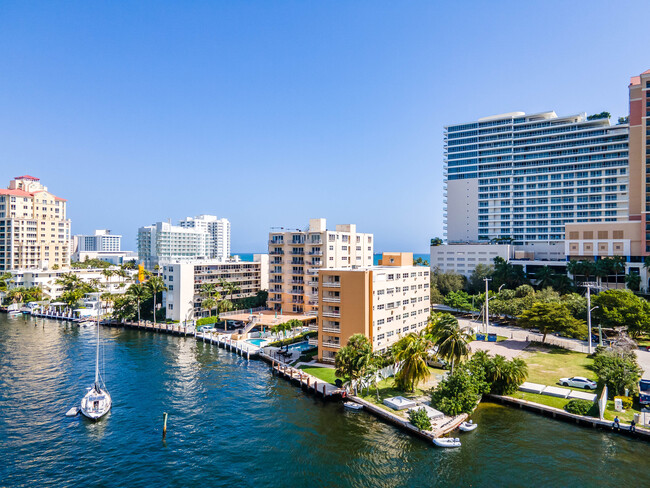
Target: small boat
447,442
353,406
467,426
86,323
97,401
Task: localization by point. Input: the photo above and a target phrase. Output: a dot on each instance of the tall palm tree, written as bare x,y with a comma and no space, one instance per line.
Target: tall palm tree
208,304
413,352
155,285
107,274
452,340
211,295
139,293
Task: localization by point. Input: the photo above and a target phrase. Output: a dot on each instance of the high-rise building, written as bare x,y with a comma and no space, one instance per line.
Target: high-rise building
203,237
296,256
34,230
524,177
101,241
384,303
218,231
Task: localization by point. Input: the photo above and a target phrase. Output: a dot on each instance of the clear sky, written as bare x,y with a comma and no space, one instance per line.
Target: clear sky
270,112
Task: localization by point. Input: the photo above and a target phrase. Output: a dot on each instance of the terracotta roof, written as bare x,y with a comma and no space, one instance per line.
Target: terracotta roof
16,193
646,72
27,177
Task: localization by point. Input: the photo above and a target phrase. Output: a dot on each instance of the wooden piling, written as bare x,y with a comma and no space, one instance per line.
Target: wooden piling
164,425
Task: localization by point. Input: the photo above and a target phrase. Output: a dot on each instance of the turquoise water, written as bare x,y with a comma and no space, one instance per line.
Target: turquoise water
231,423
300,346
257,342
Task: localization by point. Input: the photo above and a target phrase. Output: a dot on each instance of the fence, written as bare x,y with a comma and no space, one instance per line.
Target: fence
243,311
602,403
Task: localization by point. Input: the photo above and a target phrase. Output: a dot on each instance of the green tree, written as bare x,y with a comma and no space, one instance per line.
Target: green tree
622,308
352,359
420,419
550,317
139,293
633,281
446,282
412,351
458,393
436,241
475,284
451,340
505,376
208,304
459,300
156,285
510,275
618,370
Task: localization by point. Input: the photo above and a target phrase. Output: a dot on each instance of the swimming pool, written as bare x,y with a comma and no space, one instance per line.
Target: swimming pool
300,346
257,342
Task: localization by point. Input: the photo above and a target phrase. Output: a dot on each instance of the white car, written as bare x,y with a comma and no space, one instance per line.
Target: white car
579,382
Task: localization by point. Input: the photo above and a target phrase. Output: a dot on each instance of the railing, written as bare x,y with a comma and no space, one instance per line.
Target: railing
318,242
312,283
335,345
276,253
276,300
296,292
332,314
297,282
315,253
313,341
312,327
313,303
331,299
331,329
275,280
332,284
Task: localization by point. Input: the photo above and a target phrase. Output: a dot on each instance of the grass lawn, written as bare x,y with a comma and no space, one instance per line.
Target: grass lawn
325,374
549,366
643,341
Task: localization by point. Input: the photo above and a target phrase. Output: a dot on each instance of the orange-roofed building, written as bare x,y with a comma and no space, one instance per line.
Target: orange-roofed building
34,229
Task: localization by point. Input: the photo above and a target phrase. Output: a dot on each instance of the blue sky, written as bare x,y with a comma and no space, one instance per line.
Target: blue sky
269,113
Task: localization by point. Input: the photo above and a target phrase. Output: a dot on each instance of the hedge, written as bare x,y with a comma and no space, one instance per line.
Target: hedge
578,407
207,320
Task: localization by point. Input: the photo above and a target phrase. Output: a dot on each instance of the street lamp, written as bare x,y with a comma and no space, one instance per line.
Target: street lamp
600,330
487,302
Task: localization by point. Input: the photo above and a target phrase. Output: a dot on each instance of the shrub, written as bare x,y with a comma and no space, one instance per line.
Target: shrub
458,393
207,320
626,400
420,419
618,370
578,407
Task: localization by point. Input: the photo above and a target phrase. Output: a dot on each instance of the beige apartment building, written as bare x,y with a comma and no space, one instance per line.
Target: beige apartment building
296,256
383,302
34,230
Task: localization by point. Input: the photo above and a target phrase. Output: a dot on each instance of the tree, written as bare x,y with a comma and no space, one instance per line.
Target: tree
413,351
419,418
107,274
352,359
446,282
545,277
618,370
622,308
459,300
436,241
211,298
550,317
505,376
475,284
208,304
633,281
452,342
510,275
139,293
458,393
155,285
124,307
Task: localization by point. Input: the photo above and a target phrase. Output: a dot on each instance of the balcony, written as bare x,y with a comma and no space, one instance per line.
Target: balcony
315,253
299,301
335,345
332,284
276,261
276,253
336,315
315,263
275,280
276,242
276,271
297,281
298,262
313,326
332,299
297,272
275,300
313,341
312,283
332,329
296,292
313,303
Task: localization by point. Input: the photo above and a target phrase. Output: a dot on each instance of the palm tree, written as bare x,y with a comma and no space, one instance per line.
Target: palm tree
210,295
107,274
452,340
413,352
208,304
352,359
139,293
155,286
545,277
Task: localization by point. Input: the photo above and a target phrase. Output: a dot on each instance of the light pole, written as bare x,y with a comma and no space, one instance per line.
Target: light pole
487,306
600,330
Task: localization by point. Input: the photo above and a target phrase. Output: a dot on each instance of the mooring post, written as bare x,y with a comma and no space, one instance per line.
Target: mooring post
164,425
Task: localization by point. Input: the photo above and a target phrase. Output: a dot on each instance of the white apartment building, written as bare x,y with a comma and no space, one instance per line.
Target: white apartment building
218,231
296,256
34,230
384,303
463,258
101,241
182,300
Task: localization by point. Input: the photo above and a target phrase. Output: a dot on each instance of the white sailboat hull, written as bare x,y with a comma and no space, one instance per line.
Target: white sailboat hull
95,404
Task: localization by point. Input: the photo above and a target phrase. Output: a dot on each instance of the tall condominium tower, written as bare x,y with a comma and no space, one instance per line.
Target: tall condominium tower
524,177
34,230
218,231
296,256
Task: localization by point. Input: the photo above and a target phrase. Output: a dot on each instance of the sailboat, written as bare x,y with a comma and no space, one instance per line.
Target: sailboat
97,402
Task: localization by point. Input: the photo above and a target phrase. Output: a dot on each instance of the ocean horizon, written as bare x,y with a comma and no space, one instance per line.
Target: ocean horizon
248,256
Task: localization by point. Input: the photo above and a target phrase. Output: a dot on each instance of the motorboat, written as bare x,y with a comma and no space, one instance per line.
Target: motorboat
97,401
86,323
353,406
447,442
467,426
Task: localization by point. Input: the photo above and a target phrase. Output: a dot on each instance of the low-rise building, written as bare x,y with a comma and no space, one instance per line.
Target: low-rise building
182,300
463,258
383,302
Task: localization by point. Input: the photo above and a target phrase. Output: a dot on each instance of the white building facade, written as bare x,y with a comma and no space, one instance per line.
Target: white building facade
218,230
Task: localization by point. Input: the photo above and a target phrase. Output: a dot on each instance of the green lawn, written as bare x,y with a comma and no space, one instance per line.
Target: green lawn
325,374
549,366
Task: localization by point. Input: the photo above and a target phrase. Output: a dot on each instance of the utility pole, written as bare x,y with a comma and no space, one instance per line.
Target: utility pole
589,285
487,306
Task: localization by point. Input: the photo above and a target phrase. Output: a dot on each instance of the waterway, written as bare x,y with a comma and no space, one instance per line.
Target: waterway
231,423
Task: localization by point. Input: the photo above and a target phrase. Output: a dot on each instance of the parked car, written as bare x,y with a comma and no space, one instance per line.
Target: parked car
207,328
579,382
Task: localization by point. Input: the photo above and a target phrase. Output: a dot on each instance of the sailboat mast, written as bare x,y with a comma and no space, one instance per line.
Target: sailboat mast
97,357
